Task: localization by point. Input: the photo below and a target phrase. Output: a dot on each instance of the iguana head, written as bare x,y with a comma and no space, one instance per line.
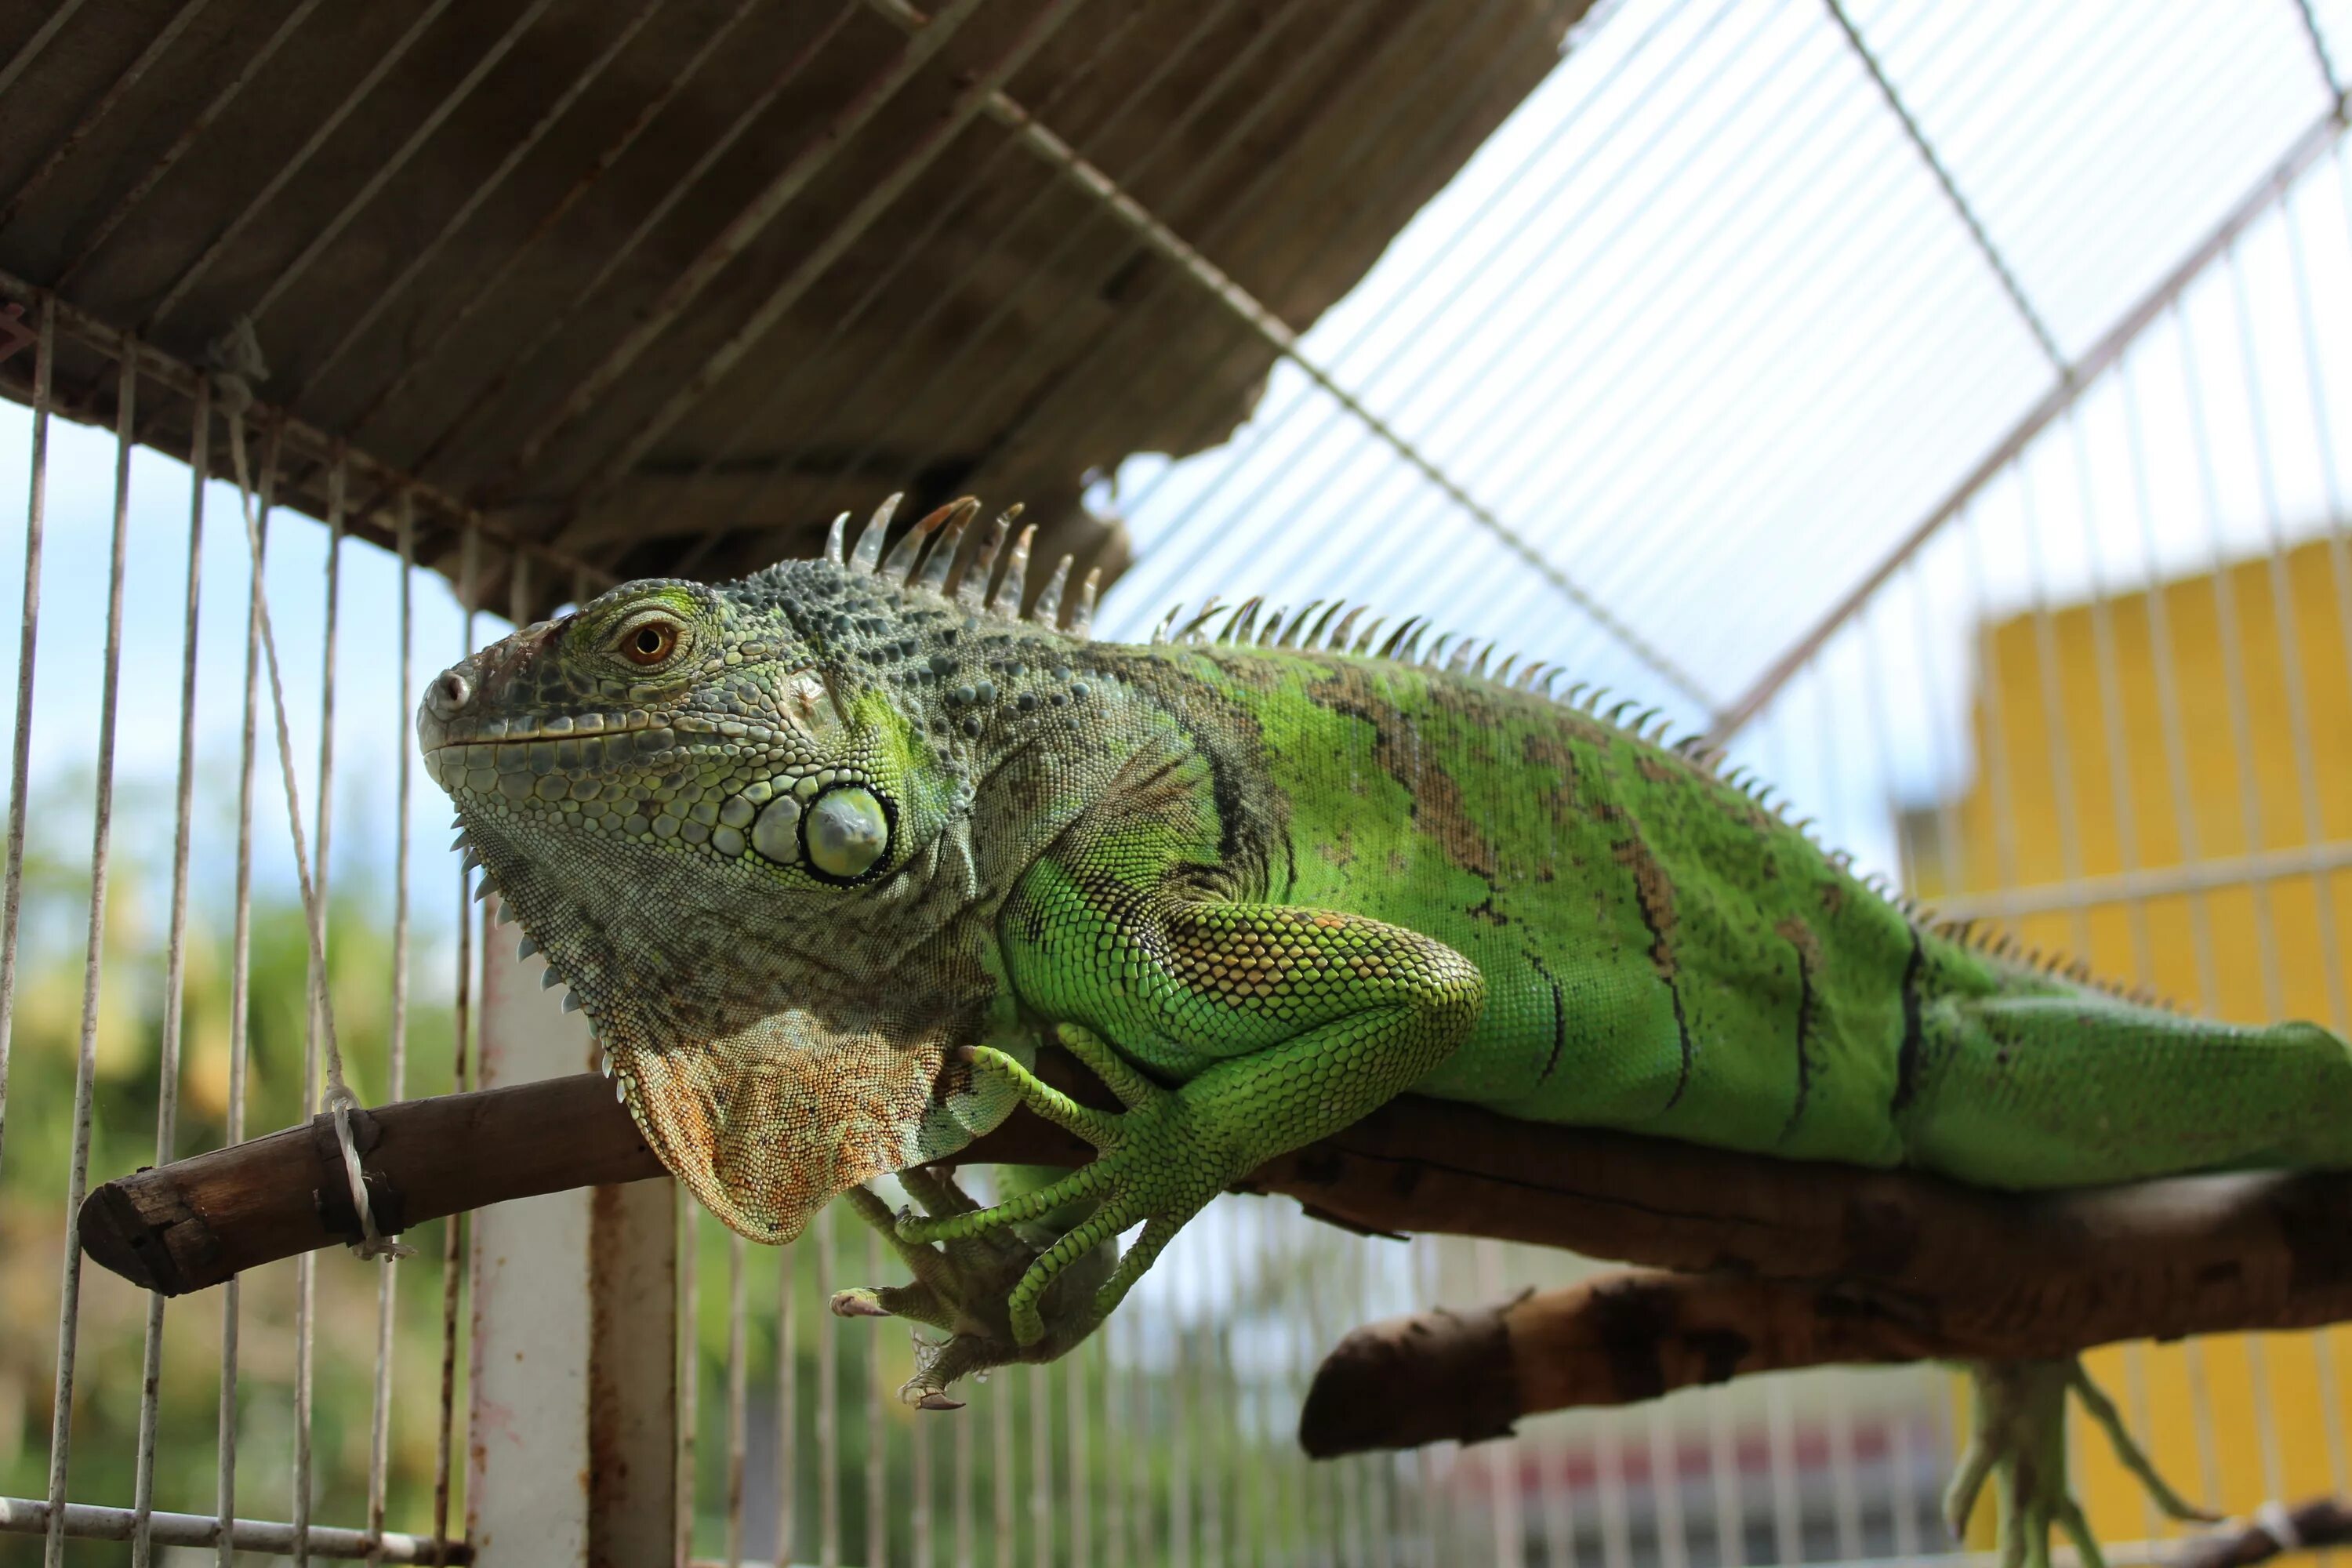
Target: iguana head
737,822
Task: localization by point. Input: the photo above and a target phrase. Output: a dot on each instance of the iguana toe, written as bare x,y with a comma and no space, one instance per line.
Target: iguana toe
2018,1441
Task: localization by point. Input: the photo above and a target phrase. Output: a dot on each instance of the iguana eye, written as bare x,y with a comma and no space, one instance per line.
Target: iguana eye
649,642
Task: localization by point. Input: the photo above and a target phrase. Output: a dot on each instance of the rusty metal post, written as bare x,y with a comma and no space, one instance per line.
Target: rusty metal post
573,1406
633,1425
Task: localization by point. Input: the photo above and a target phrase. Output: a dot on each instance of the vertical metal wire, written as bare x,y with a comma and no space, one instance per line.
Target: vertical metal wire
396,1026
1422,1267
1780,1451
739,1395
688,1354
240,981
1001,1463
1845,1491
20,756
1559,1504
967,1531
93,958
453,1234
1502,1469
1183,1445
175,969
788,1403
1108,1462
1723,1482
1079,1471
919,1483
1609,1478
877,1451
306,1265
828,1401
1037,1385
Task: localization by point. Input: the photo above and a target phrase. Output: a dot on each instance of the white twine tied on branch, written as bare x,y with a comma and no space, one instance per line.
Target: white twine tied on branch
236,364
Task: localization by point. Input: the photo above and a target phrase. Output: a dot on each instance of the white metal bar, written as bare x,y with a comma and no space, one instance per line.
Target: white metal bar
93,966
533,1289
175,964
87,1522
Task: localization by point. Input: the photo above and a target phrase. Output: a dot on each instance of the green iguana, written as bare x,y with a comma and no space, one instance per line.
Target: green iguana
822,853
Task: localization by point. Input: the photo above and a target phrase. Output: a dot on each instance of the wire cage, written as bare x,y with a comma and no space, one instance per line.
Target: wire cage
1944,409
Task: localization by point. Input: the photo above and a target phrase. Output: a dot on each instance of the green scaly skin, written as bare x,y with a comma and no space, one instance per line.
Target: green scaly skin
1261,889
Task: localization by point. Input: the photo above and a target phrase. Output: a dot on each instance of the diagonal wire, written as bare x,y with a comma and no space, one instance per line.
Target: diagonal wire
1993,256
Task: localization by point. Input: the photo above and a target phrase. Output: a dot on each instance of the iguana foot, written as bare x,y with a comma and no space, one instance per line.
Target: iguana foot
2019,1440
1154,1167
963,1289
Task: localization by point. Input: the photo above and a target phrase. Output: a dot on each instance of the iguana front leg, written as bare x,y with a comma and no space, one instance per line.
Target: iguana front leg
1302,1021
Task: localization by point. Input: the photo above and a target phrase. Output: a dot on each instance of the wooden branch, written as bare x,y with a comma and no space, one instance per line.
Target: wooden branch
1630,1336
2164,1258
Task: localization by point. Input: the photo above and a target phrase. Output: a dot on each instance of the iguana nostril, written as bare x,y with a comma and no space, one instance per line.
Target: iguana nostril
450,693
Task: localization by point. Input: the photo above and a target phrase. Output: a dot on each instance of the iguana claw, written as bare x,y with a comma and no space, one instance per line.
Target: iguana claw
2019,1441
1151,1168
964,1288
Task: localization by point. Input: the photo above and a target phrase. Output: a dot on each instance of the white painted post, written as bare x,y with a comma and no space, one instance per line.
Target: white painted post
574,1409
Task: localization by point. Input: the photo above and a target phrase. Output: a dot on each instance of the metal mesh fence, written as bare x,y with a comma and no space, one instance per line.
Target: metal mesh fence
1946,407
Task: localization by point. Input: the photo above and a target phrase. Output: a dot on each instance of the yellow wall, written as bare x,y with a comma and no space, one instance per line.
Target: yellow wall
2046,772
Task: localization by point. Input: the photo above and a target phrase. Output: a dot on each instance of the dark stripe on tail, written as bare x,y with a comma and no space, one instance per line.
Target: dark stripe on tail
1907,1059
1559,1021
1800,938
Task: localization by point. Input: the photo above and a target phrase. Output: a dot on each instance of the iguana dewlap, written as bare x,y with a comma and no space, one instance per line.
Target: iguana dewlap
796,841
